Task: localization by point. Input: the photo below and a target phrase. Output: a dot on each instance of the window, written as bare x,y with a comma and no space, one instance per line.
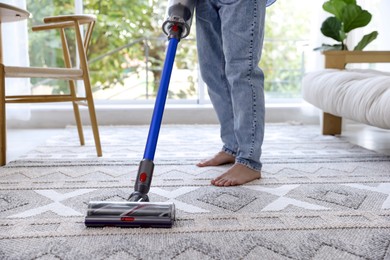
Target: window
45,46
128,50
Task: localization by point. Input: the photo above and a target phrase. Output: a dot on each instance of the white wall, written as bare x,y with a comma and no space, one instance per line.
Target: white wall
15,53
384,31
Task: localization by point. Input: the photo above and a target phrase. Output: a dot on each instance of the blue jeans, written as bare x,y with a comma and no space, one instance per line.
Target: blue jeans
229,40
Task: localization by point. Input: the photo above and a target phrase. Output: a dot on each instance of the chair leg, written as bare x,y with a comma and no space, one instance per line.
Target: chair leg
72,86
331,125
88,88
94,124
92,116
77,117
76,112
3,127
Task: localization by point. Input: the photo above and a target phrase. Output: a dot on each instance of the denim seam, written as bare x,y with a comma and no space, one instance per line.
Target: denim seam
254,112
226,84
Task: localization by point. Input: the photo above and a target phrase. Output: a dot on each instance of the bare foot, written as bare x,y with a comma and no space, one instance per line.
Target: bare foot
238,174
218,159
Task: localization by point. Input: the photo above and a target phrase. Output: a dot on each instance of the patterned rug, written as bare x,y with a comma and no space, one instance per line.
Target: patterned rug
320,198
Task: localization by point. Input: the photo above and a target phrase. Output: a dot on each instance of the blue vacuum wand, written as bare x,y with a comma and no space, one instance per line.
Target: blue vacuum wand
176,27
145,171
138,211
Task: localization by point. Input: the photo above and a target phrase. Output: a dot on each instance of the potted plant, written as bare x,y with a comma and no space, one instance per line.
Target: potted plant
347,16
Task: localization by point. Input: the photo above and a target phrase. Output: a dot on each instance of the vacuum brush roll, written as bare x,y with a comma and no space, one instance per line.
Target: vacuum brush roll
130,214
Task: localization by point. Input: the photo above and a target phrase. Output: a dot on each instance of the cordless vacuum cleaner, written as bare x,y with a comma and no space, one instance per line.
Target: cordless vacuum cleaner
138,211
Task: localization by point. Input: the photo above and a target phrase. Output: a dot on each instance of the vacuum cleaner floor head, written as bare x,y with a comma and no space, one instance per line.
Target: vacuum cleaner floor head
130,214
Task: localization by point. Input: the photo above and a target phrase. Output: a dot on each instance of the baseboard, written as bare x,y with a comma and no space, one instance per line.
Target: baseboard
59,116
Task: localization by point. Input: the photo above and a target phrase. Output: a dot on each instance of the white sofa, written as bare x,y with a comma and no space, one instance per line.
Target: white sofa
359,95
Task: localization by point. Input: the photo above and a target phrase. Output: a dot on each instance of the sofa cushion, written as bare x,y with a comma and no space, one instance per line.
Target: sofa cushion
360,95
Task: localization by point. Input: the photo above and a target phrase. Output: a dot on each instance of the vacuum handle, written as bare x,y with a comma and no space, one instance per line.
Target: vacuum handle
179,14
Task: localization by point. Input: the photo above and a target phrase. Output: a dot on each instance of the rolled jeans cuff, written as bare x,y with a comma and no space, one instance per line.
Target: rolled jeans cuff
250,164
228,151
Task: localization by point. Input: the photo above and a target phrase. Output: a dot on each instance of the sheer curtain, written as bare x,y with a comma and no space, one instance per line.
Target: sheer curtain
15,52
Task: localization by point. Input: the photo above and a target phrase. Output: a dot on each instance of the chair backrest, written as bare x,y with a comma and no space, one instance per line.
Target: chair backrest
82,39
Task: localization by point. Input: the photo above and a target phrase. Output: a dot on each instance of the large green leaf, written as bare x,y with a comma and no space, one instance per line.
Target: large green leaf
334,7
331,27
354,17
347,16
366,40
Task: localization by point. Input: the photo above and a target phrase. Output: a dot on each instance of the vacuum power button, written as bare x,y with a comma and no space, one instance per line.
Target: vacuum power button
143,176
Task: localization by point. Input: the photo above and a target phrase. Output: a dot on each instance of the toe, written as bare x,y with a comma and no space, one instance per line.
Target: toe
218,182
203,163
233,183
200,164
227,183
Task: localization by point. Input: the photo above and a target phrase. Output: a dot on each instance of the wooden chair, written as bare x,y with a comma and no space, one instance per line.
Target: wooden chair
69,73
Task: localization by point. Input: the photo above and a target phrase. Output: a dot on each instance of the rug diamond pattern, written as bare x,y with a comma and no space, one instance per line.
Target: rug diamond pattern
320,198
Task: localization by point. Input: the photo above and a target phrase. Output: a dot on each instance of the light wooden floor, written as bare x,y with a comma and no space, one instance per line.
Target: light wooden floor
372,138
20,141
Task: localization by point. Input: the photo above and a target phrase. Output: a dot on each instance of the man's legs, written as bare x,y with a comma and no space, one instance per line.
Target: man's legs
239,102
212,66
242,43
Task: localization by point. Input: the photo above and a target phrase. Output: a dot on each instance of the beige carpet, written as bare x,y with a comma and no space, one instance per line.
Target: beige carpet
320,198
